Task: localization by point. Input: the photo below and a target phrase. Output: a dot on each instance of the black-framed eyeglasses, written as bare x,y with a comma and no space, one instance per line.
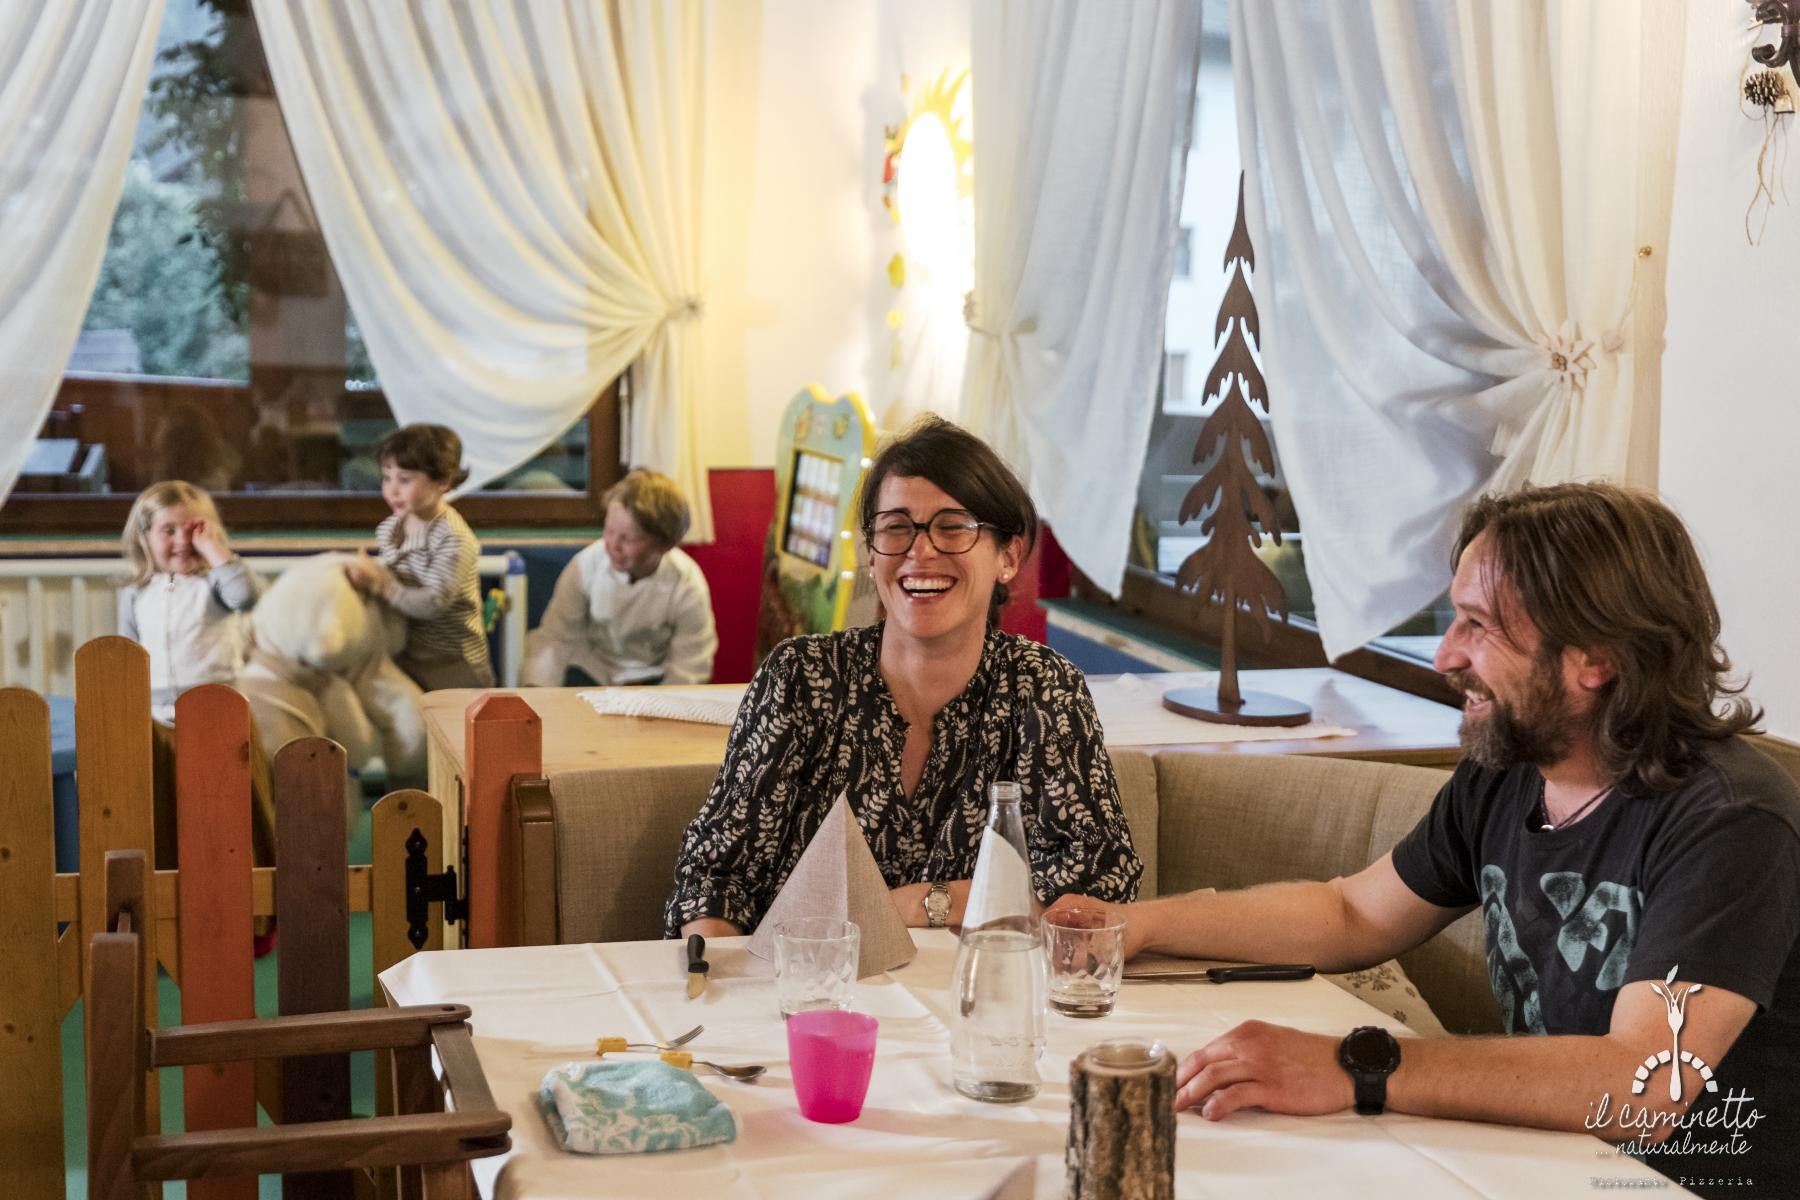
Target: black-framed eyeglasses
950,531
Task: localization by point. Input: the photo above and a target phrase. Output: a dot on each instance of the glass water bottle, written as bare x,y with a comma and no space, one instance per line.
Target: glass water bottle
999,989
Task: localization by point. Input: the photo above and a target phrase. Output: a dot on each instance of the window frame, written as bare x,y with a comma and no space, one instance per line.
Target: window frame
1159,601
48,515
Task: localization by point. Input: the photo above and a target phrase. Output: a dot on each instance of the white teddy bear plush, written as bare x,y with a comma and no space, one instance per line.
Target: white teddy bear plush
320,665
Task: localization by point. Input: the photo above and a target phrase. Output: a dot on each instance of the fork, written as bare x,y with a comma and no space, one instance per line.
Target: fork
607,1044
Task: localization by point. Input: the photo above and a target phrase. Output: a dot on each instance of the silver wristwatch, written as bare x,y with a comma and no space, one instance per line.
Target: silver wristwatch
937,906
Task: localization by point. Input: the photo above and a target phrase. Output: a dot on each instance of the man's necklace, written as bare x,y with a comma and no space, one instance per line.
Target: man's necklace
1546,825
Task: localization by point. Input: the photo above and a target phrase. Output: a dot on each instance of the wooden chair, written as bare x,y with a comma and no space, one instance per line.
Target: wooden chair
431,1146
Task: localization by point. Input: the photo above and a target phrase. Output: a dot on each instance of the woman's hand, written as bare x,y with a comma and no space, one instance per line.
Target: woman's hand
710,927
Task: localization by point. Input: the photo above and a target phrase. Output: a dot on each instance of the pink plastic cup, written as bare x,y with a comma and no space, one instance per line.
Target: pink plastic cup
832,1054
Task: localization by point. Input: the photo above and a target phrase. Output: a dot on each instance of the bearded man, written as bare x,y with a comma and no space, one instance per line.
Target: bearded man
1637,862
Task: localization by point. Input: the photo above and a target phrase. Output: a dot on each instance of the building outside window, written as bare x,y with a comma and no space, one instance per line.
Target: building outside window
219,346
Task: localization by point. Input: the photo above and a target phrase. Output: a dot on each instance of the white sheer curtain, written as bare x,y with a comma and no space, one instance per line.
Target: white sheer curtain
1452,197
72,77
511,194
1081,119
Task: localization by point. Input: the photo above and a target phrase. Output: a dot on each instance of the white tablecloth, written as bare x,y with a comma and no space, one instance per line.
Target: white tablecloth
536,1007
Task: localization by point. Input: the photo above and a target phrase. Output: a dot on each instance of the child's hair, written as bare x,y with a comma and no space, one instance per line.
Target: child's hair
151,501
433,449
654,501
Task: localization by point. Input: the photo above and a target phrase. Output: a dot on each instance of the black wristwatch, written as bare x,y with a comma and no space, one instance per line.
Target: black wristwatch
1370,1054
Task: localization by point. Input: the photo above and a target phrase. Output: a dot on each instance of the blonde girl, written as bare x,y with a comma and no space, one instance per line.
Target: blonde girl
184,592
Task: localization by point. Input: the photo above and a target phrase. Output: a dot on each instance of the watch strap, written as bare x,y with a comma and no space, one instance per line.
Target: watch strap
1371,1092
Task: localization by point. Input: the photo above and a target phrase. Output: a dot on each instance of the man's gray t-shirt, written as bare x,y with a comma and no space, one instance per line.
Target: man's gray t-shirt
1703,881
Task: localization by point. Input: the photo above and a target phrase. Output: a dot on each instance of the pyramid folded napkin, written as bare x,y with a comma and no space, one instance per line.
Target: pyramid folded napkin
836,878
630,1108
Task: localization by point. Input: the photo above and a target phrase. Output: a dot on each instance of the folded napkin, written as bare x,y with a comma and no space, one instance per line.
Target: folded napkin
706,706
836,878
630,1107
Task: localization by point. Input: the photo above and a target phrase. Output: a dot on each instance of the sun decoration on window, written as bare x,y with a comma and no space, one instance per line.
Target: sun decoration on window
927,181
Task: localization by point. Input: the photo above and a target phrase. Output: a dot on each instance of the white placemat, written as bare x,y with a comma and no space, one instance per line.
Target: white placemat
1132,714
704,705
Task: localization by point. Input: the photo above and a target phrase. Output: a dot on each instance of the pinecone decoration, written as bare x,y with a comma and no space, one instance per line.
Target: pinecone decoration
1765,89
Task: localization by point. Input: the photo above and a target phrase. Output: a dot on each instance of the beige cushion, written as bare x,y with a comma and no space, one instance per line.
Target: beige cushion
1386,988
1236,820
1136,772
617,835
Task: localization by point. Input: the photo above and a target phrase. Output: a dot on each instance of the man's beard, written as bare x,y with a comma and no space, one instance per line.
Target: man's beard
1537,730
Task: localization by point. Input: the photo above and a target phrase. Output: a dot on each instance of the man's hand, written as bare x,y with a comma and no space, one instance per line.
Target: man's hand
1135,930
1272,1067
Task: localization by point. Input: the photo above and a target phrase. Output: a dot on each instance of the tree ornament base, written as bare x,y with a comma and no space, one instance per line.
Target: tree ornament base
1256,708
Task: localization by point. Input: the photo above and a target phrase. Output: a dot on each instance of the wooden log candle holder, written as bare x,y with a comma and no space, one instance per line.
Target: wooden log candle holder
1122,1122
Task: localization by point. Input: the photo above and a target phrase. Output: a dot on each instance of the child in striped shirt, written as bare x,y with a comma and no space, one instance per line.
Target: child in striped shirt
424,564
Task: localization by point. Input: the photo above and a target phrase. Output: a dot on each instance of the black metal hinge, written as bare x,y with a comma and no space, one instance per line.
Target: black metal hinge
423,889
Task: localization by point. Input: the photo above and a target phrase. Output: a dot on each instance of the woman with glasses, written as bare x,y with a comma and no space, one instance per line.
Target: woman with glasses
914,717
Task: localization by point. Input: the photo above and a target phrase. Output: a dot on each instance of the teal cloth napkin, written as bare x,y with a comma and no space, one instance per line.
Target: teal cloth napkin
621,1107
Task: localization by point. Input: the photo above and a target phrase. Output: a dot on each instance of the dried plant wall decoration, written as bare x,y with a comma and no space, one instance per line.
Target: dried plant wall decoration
1768,95
1234,512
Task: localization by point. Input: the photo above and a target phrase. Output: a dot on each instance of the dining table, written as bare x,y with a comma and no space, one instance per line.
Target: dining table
536,1008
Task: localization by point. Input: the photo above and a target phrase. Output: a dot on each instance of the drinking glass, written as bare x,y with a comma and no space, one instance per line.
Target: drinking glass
1087,957
832,1055
815,963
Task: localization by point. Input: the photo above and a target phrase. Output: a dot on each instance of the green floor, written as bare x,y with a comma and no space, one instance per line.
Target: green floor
168,1005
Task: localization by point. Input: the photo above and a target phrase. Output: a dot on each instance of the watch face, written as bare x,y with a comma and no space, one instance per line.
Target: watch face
1370,1049
937,904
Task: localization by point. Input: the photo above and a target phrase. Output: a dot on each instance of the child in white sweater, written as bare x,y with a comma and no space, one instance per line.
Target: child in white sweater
185,593
632,607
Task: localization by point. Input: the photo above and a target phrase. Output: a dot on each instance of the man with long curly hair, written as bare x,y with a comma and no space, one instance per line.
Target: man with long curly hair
1636,861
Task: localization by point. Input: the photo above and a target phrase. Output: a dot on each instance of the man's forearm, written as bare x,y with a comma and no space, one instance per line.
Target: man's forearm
1278,922
1541,1082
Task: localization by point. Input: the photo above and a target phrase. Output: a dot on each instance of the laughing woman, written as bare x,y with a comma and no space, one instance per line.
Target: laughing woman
913,718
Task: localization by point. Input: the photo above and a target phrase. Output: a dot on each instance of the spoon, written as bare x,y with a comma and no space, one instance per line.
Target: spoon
744,1074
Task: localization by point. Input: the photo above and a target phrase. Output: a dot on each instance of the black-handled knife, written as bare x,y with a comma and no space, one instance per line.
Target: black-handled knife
697,965
1252,972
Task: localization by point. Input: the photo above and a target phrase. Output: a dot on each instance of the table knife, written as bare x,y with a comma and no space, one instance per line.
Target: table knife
1259,971
697,965
1172,973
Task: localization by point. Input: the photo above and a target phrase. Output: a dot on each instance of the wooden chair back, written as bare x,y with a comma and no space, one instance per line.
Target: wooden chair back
431,1148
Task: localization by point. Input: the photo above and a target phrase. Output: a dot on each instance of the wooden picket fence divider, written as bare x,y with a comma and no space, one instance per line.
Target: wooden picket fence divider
198,918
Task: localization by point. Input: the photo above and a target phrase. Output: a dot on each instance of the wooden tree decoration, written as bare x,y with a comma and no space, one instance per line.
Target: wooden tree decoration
1235,513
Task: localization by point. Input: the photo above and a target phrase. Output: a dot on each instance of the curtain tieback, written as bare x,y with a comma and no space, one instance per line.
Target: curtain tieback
1568,356
1027,326
685,308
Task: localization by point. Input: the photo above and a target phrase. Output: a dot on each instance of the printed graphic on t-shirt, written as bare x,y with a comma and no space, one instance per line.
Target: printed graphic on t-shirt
1584,933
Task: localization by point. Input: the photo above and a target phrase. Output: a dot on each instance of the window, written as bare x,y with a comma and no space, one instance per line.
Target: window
1162,541
219,346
